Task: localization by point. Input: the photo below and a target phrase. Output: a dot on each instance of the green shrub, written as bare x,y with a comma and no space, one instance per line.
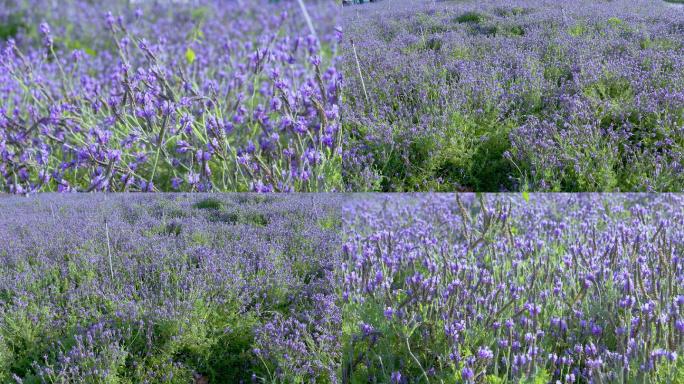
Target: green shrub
577,30
471,17
209,203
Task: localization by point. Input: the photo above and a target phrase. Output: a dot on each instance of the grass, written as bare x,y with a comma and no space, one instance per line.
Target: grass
209,203
471,17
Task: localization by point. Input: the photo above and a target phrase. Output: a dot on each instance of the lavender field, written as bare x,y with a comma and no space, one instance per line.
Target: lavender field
311,96
428,288
492,289
513,95
169,289
169,96
183,191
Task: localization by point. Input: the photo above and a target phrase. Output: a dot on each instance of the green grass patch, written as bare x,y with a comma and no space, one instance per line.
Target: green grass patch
238,217
471,17
11,27
209,203
661,44
578,30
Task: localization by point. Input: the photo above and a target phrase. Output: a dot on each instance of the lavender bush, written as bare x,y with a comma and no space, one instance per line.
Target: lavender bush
169,289
514,95
169,96
514,289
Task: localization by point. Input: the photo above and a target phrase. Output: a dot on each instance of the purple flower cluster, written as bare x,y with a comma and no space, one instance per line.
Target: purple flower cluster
236,96
519,95
551,288
167,288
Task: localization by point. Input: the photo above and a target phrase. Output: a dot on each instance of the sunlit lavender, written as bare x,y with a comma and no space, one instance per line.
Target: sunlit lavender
169,96
101,101
514,95
514,289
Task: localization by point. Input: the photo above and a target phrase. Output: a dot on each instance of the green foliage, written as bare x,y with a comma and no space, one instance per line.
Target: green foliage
200,13
217,343
661,44
411,167
330,222
471,17
493,379
240,217
169,229
5,358
427,24
539,377
10,27
209,203
515,30
213,340
173,228
577,30
468,157
27,339
526,196
611,88
374,358
200,238
615,22
431,150
433,43
190,56
331,170
460,53
513,12
72,45
488,167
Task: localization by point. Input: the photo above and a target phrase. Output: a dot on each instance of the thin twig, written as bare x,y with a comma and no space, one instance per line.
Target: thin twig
358,68
408,345
309,22
109,251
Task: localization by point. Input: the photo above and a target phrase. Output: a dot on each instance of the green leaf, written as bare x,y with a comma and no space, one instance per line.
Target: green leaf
190,55
526,196
541,376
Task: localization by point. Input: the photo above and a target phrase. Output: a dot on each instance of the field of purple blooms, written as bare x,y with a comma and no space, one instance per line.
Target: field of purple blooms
495,289
513,95
169,96
461,289
181,288
260,96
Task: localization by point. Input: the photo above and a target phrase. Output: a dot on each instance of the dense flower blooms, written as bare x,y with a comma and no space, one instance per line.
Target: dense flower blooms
138,288
521,94
569,288
174,90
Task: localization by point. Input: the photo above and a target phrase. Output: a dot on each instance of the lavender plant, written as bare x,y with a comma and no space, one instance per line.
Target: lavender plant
510,289
515,95
168,96
169,289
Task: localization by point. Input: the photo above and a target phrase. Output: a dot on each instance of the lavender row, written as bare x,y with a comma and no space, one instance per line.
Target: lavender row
514,289
169,96
515,95
169,289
